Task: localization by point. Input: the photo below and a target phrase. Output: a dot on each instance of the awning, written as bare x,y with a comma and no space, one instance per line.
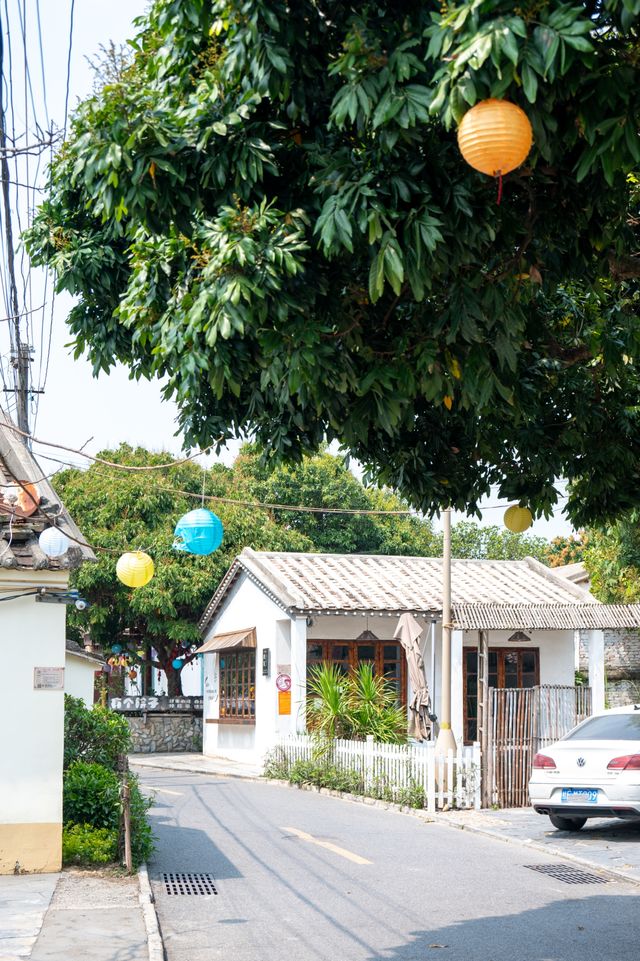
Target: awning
233,639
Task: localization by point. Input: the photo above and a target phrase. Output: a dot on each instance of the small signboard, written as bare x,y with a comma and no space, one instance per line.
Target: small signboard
284,702
48,678
283,682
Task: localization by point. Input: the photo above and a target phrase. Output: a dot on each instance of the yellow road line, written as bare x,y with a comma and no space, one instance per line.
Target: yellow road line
349,855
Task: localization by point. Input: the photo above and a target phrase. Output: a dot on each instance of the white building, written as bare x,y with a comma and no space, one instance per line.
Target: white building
32,648
275,614
80,668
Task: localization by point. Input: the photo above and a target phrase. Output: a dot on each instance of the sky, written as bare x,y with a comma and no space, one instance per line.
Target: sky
77,409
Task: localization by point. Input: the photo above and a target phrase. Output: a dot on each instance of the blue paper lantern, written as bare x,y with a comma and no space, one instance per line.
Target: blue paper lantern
177,663
198,532
116,648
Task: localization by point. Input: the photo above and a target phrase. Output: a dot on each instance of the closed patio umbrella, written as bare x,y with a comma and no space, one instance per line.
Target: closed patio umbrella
408,631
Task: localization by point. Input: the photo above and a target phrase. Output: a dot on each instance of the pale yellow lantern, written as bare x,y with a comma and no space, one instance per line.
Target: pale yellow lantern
518,519
495,137
135,569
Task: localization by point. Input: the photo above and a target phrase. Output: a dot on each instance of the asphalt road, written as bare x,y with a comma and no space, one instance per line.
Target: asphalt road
306,877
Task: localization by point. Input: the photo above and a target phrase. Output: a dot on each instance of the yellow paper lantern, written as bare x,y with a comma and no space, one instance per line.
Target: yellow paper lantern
135,569
518,519
495,137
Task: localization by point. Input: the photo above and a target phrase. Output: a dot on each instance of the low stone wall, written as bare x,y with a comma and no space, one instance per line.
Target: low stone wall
165,733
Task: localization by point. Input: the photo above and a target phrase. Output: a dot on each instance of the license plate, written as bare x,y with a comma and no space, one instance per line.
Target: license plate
579,795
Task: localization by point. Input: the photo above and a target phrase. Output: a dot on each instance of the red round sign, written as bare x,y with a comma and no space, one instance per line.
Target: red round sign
283,682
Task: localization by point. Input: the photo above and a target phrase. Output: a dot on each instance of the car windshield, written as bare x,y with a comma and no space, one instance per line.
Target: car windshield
612,727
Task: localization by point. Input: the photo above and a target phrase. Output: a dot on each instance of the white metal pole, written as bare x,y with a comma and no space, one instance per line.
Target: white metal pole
446,741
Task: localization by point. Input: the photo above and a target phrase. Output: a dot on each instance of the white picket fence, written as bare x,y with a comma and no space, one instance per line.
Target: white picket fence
392,770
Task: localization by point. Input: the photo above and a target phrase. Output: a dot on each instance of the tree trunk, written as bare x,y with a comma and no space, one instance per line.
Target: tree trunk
174,678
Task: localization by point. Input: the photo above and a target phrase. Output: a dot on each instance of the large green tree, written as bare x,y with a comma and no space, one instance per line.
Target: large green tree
266,205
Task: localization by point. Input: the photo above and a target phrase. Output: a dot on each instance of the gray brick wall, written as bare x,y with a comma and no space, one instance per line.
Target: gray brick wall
622,665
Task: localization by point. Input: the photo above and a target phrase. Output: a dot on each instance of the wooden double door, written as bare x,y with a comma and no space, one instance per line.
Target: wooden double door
508,667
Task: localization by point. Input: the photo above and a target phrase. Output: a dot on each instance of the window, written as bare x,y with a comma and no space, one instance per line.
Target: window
612,727
238,686
387,658
508,667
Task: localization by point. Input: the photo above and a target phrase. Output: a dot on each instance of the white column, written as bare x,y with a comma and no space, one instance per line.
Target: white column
298,674
595,649
457,687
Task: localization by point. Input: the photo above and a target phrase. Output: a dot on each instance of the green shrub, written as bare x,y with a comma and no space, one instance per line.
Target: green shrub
355,705
91,795
141,834
97,736
84,844
276,764
91,798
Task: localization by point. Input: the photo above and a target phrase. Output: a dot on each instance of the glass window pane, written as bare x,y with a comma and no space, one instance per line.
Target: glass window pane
614,727
528,662
340,652
366,652
391,652
391,670
314,652
472,661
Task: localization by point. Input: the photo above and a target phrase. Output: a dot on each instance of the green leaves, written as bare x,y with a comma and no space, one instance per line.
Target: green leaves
268,209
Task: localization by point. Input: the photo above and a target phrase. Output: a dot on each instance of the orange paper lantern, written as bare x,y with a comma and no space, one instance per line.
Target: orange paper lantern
495,137
517,519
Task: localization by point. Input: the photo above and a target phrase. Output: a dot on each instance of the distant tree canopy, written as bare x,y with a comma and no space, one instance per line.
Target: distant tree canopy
266,206
121,510
566,550
612,558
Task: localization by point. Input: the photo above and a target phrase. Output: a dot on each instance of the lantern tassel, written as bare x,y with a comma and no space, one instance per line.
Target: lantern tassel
499,189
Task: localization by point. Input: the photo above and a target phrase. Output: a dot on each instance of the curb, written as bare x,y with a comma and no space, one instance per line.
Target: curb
145,897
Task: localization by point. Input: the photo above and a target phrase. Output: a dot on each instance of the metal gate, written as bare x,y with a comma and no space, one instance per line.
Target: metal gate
524,720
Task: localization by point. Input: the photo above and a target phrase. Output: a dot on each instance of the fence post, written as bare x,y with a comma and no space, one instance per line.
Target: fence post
368,761
125,797
431,778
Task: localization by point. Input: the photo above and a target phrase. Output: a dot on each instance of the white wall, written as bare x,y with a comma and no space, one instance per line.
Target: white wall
32,722
79,676
247,606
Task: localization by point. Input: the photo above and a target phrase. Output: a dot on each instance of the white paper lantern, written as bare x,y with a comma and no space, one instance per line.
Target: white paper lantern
54,542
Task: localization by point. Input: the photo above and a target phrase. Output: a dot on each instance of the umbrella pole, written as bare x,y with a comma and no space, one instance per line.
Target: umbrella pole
446,741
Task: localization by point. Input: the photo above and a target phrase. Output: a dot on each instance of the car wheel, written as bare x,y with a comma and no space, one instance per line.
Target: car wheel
567,824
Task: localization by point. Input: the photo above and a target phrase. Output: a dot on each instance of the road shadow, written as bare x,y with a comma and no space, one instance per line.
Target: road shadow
183,849
580,929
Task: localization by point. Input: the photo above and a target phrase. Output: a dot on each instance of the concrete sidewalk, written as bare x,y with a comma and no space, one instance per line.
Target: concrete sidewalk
73,916
609,845
196,764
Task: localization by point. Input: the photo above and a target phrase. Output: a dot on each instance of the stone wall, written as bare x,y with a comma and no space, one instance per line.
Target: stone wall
621,664
165,733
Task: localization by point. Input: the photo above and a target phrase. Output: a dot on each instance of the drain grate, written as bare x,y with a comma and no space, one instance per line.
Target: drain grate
563,872
189,884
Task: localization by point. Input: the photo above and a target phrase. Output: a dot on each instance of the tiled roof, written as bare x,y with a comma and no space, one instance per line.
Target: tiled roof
335,583
19,546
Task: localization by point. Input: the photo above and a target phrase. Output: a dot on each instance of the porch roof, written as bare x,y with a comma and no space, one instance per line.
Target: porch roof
498,594
556,617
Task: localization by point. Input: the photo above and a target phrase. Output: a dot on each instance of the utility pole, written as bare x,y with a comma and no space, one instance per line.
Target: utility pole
20,353
446,741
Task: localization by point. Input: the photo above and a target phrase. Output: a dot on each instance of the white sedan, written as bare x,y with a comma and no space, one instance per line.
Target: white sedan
592,772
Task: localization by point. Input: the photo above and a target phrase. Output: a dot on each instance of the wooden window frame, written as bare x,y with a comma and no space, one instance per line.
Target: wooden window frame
237,676
353,660
500,672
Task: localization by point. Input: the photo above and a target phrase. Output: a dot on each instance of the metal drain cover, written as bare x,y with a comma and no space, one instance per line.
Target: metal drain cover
189,884
568,874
